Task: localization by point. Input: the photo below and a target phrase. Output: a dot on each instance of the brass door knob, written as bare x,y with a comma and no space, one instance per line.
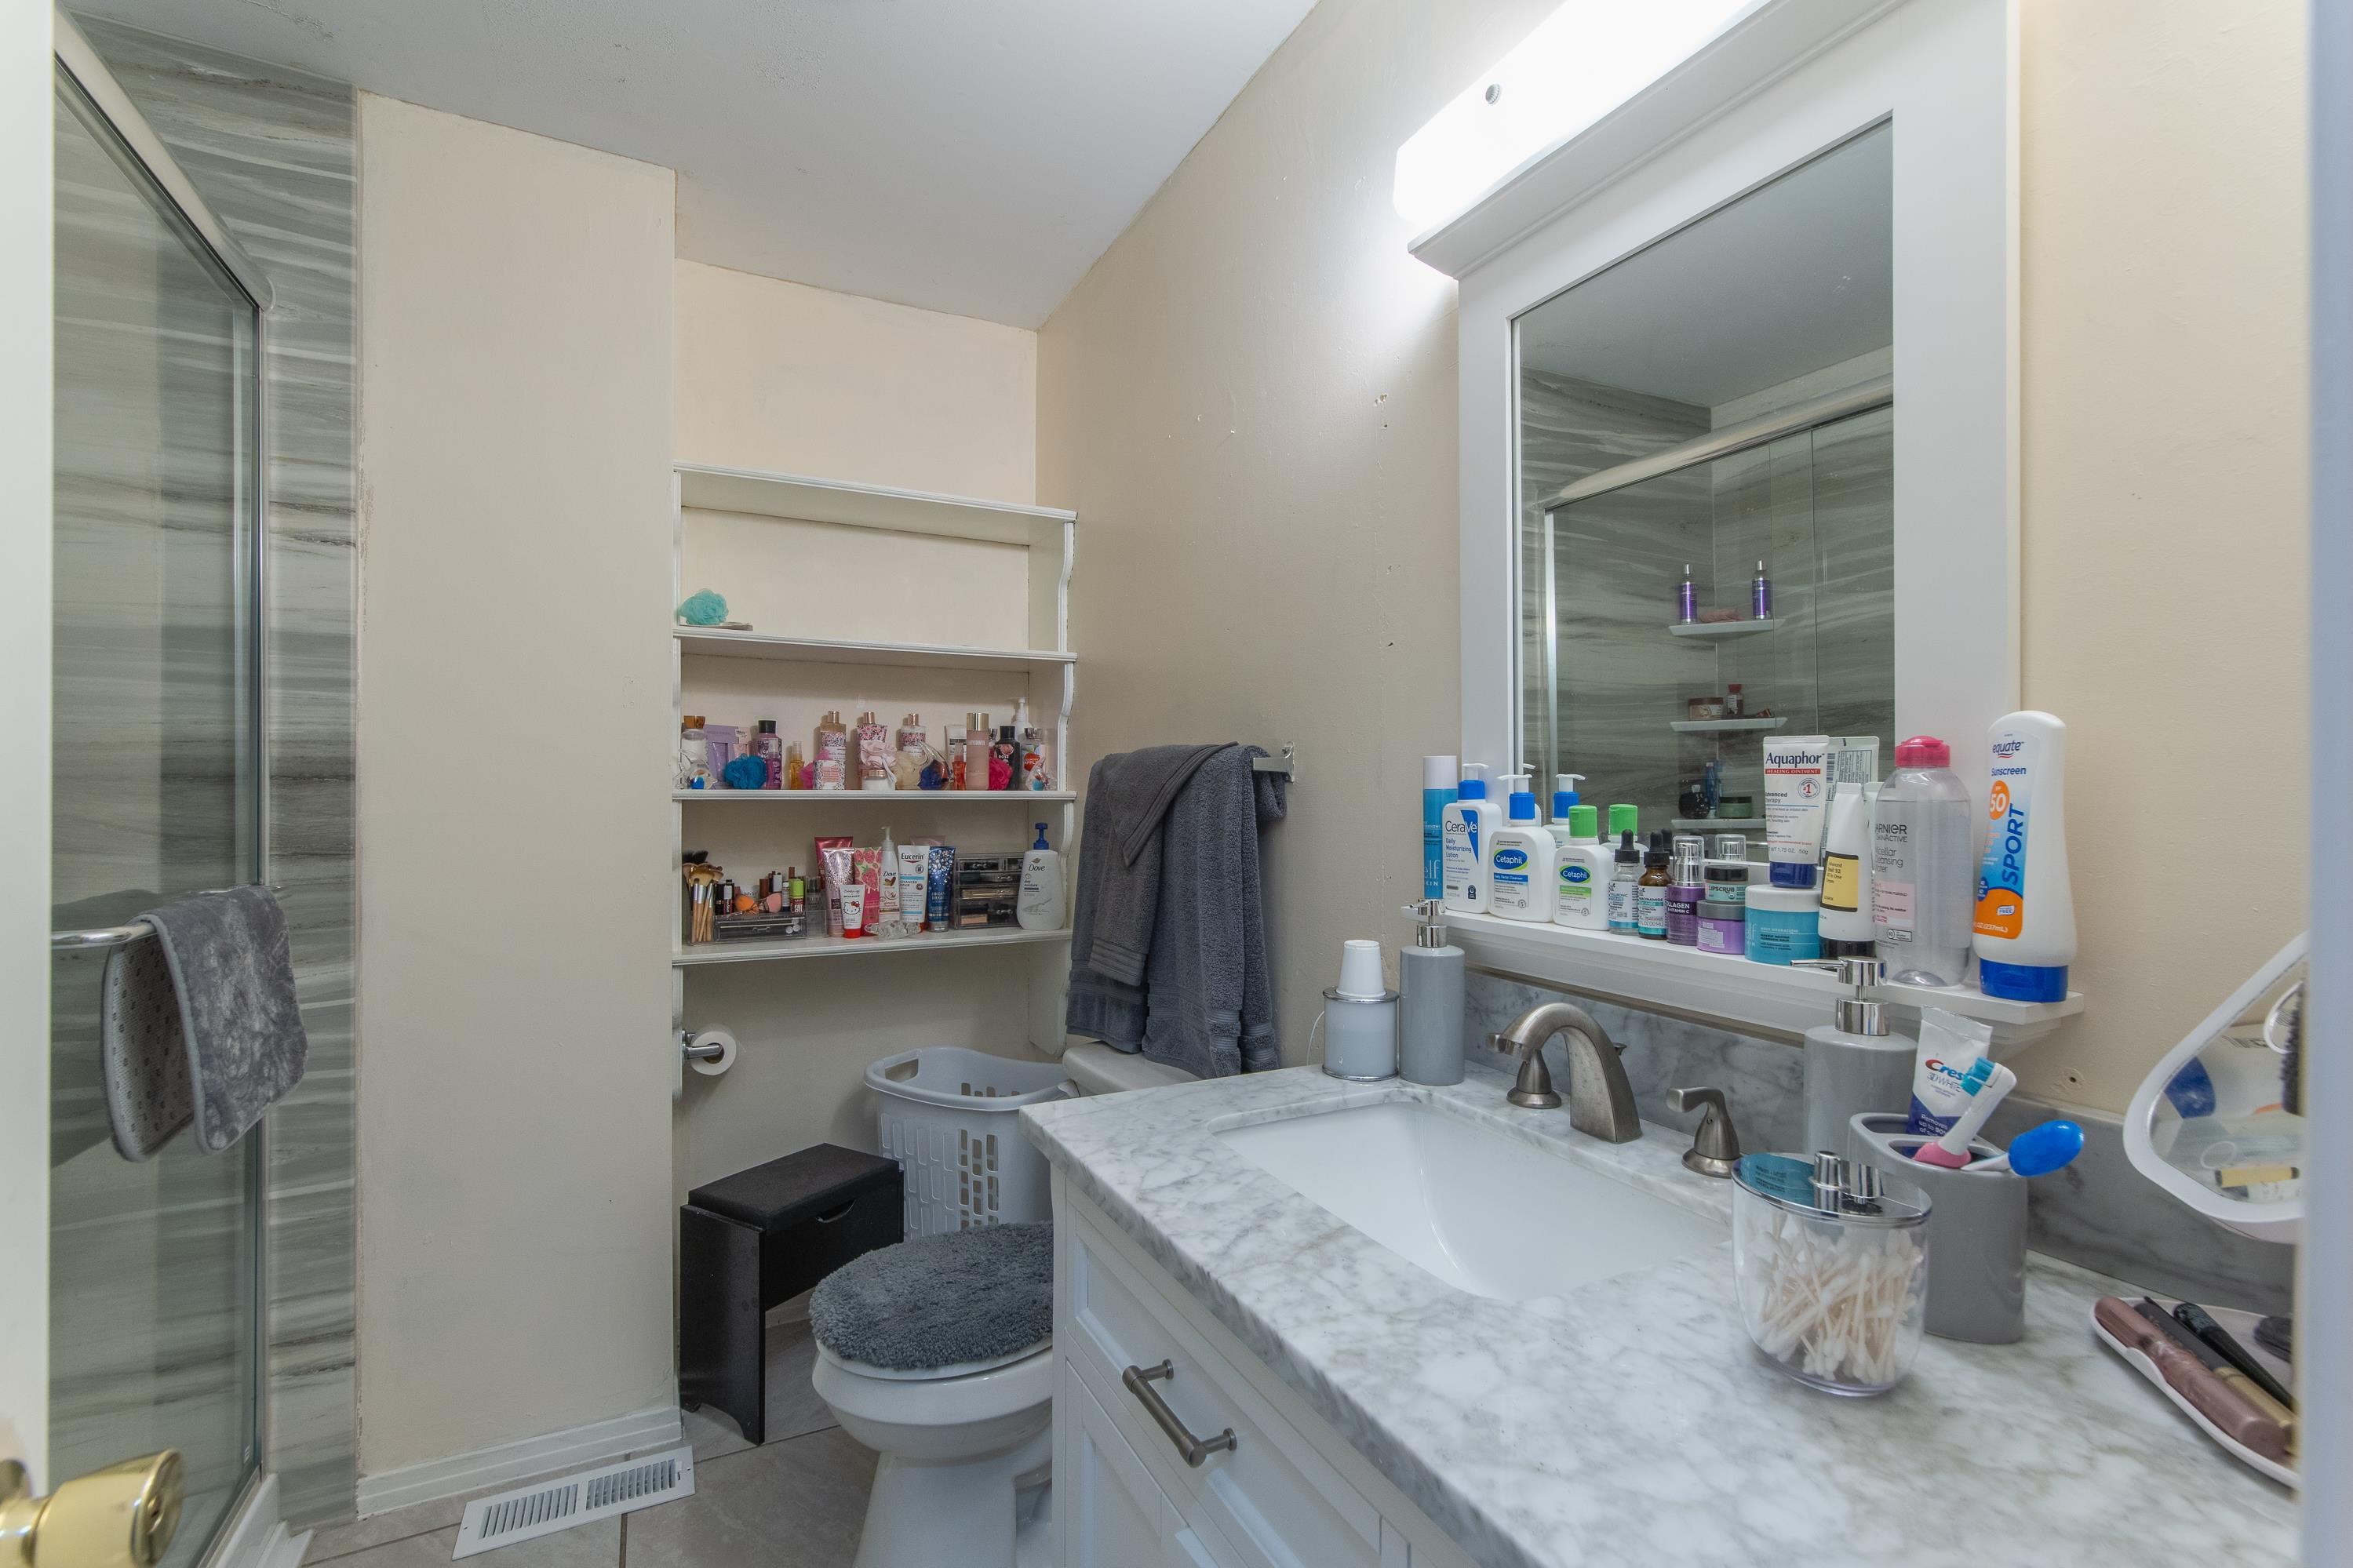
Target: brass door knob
123,1516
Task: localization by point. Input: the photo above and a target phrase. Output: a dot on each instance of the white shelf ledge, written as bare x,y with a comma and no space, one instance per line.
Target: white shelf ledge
806,499
843,946
1722,628
1719,988
1719,726
711,642
876,796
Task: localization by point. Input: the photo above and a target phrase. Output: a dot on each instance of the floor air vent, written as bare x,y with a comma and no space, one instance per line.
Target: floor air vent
550,1506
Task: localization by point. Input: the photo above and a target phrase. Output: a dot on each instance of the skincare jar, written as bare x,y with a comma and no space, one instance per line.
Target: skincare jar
1784,924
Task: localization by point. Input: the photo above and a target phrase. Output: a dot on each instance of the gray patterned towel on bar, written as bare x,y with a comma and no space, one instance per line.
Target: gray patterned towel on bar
1203,1001
199,1022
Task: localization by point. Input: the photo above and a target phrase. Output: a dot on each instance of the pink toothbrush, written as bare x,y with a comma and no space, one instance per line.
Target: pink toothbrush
1952,1151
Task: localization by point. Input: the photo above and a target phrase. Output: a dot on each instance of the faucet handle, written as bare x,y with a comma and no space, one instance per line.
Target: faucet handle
1716,1144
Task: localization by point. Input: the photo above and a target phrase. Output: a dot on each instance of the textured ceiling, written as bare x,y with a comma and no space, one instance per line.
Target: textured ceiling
973,156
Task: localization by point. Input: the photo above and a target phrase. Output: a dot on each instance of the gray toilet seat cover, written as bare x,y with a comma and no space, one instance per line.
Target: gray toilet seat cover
941,1301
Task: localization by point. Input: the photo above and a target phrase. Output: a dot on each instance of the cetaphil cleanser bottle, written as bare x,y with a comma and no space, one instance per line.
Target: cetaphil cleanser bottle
1520,866
1468,828
2025,926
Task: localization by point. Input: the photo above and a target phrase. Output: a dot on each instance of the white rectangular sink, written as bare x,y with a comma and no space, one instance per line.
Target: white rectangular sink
1484,1212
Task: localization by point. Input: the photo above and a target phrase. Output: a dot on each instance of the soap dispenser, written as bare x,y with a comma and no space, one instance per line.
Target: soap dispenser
1468,827
1038,906
1429,1005
1520,866
1853,1065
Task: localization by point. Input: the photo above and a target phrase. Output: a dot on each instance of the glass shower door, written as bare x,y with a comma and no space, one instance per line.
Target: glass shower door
155,1267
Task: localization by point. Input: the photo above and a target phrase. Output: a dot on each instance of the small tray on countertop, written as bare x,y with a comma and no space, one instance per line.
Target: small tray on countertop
2243,1326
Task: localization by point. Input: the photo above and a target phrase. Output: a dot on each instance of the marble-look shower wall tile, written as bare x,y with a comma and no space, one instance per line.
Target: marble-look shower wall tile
2099,1212
273,153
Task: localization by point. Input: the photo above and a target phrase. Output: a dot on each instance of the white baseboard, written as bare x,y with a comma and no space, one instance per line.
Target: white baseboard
462,1475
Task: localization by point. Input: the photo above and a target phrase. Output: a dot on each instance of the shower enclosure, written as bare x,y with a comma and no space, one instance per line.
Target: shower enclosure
157,787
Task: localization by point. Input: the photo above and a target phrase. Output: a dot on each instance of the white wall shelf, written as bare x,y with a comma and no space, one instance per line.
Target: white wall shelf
847,505
1722,629
1732,992
711,642
875,796
1721,726
846,947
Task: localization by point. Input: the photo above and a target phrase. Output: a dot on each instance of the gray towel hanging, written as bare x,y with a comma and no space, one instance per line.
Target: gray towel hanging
200,1022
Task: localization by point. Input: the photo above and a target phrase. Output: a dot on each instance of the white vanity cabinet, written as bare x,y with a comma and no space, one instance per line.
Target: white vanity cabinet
1291,1493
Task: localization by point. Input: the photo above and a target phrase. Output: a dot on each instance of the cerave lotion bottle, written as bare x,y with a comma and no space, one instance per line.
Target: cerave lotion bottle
2024,929
1520,865
1468,828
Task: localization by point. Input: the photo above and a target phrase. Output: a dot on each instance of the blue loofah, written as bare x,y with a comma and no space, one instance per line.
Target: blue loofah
746,773
703,608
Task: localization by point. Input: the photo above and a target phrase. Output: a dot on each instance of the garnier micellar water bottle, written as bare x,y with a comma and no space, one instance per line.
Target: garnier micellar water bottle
1924,868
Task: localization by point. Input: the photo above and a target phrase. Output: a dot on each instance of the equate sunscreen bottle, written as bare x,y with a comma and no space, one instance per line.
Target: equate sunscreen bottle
1467,829
1520,866
2025,924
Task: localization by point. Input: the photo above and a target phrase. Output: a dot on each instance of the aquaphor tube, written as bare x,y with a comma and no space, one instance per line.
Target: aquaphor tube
1797,800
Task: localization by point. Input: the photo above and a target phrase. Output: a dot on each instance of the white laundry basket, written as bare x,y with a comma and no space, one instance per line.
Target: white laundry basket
952,1119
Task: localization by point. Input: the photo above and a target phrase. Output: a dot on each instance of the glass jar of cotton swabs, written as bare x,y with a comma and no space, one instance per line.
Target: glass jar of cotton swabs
1831,1258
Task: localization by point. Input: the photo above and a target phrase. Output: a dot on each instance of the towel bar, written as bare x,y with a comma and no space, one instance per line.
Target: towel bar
1286,764
98,939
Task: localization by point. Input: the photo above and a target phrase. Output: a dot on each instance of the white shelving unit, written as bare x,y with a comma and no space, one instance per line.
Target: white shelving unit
779,664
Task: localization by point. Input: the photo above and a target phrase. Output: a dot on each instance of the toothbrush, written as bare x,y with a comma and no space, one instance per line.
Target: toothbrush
2037,1151
1952,1151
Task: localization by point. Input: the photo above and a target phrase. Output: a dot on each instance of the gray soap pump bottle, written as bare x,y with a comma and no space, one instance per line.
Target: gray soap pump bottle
1853,1064
1430,1001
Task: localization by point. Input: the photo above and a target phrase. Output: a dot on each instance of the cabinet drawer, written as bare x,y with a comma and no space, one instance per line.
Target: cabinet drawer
1270,1501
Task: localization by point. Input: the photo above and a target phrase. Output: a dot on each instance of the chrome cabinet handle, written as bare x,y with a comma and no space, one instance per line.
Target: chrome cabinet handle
1192,1449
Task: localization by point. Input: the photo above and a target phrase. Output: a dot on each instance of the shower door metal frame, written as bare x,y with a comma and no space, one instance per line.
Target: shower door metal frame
149,161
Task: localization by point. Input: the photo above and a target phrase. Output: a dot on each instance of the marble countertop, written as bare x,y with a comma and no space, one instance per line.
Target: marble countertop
1627,1423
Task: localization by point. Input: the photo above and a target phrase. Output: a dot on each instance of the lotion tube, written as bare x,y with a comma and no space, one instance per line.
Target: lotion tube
2024,928
1797,800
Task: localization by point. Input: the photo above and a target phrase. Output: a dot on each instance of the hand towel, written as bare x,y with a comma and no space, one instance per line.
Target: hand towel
1128,796
200,1023
1203,1001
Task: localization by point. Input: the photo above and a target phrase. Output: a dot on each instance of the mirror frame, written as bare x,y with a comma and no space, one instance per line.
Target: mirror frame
2280,1222
1946,74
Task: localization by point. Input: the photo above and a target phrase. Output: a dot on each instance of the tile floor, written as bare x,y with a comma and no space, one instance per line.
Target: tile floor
797,1501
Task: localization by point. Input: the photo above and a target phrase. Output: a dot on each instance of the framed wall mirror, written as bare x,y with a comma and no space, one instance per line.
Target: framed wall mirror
1705,437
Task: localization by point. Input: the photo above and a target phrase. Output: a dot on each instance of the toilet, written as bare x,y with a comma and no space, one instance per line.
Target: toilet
960,1439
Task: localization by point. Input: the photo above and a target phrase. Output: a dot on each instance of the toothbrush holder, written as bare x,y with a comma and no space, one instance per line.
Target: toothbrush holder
1976,1233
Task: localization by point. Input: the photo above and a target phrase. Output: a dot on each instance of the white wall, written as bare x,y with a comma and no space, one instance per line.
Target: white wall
778,376
514,732
1250,401
790,379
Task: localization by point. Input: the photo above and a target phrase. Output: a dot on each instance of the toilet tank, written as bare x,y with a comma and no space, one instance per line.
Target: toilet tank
1098,1068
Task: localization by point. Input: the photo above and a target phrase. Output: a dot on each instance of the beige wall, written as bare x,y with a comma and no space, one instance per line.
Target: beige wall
790,379
2164,234
514,731
1250,400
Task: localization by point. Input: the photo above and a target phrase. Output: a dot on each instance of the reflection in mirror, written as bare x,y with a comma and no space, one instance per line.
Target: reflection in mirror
1718,400
2229,1118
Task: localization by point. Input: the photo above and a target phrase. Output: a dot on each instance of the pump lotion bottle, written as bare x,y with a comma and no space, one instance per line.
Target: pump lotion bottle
1853,1065
1468,828
1430,1001
1520,866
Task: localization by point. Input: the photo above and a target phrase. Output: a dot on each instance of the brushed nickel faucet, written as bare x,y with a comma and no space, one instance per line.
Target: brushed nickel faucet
1601,1100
